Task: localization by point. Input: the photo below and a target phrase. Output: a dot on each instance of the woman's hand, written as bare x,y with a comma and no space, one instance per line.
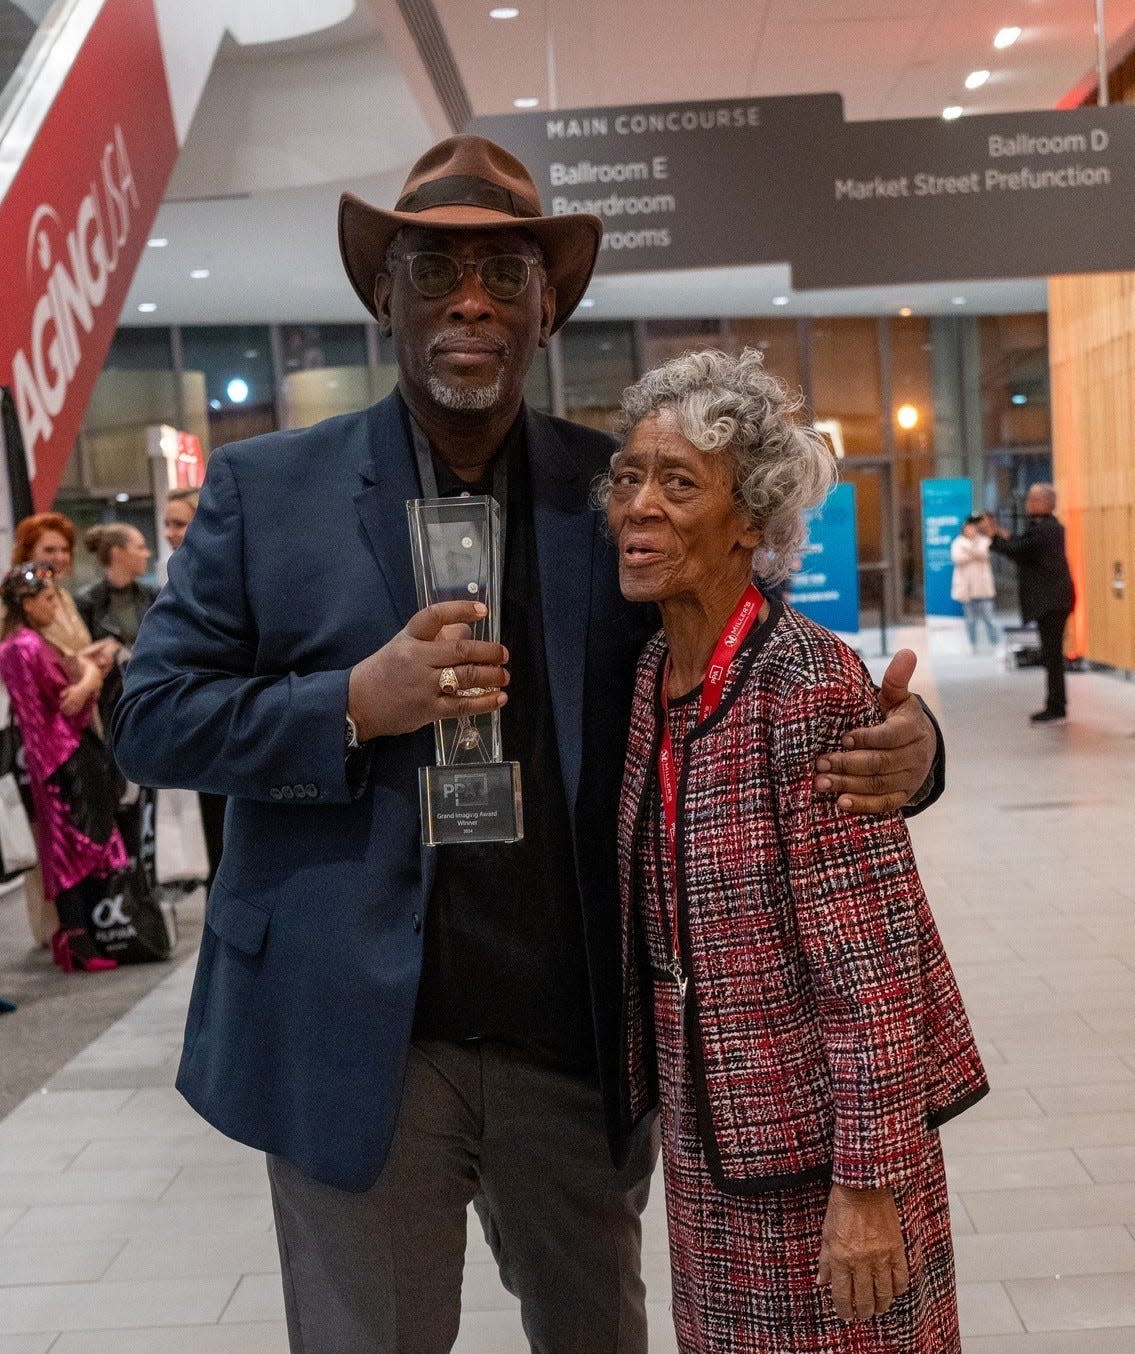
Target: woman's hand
101,653
882,768
74,699
862,1258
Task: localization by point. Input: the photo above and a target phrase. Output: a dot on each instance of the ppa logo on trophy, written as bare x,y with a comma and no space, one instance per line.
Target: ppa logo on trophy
71,268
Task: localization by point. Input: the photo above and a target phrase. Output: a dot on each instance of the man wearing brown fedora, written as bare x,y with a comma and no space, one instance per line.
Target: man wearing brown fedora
404,1030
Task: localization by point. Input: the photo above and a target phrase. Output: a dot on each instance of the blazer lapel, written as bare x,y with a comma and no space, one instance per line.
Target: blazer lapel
390,478
565,537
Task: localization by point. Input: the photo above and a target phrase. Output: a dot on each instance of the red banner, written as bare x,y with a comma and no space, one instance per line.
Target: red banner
73,226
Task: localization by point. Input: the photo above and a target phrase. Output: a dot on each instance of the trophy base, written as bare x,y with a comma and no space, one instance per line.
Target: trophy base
472,803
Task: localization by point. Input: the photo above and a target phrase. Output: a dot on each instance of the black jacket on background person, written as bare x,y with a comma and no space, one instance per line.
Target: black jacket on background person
95,607
1044,578
102,608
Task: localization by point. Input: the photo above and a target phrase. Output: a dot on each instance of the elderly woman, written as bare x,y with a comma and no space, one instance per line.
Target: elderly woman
786,996
71,785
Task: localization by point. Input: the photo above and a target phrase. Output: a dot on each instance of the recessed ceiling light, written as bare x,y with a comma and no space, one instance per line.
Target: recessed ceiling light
952,113
237,390
957,300
122,498
525,103
504,12
906,312
780,300
147,307
586,303
975,79
1006,37
1018,398
199,274
214,404
158,242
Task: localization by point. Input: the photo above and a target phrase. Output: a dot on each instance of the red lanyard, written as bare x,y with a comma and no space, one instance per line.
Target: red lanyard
731,639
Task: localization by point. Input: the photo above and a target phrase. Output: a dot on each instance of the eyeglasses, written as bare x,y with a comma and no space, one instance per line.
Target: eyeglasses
503,276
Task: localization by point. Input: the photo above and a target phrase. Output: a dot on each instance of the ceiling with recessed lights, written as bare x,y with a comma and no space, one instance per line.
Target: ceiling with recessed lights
249,218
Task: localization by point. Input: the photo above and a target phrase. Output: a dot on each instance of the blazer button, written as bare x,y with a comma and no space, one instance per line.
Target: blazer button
417,924
287,791
276,793
312,791
300,792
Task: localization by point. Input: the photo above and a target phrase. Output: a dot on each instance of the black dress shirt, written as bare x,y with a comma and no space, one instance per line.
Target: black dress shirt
504,956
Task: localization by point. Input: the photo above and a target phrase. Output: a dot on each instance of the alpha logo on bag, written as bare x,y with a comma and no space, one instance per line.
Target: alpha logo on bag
126,923
111,912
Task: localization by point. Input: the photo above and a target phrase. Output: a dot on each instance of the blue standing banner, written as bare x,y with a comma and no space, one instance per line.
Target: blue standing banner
826,586
945,506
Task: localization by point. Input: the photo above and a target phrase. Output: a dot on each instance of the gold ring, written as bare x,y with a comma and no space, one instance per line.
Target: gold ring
447,682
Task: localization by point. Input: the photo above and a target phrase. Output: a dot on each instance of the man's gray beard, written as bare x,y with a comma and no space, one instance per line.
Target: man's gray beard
475,399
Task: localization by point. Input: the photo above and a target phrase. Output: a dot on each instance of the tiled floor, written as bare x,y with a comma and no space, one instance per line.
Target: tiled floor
129,1227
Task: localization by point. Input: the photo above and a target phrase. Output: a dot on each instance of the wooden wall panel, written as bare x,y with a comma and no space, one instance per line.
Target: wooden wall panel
1092,355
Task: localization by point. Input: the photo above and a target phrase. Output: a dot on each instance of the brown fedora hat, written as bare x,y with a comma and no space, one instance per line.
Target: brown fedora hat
468,183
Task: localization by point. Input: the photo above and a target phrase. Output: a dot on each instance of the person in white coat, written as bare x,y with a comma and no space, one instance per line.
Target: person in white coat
972,584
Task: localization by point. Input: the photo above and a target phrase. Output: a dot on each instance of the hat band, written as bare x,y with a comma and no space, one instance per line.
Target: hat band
465,190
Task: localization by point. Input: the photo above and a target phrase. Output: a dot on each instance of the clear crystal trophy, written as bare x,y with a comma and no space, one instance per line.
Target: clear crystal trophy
470,795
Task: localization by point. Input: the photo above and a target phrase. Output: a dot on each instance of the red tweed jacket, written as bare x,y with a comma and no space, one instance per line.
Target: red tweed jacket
826,1030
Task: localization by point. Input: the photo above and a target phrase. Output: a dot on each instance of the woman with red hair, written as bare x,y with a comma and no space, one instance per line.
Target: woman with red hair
50,536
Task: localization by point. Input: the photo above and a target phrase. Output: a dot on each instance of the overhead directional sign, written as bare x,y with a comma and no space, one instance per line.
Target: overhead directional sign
786,180
677,185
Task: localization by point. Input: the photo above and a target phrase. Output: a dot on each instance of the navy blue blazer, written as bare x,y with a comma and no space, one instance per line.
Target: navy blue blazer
297,566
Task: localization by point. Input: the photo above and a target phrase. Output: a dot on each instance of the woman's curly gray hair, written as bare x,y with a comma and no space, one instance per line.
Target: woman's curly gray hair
734,405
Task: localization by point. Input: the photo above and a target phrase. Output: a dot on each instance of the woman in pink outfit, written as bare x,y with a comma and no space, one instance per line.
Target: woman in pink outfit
72,791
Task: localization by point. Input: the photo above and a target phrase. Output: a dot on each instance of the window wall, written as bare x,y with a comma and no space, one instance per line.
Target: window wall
599,362
902,398
1016,416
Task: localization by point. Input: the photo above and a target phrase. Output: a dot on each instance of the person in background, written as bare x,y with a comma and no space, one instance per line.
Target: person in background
785,995
50,536
181,505
1047,591
972,583
53,700
113,609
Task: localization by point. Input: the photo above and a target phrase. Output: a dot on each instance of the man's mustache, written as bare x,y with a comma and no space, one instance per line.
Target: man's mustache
466,338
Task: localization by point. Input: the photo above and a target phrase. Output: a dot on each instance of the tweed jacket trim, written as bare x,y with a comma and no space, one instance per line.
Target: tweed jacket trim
826,1030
